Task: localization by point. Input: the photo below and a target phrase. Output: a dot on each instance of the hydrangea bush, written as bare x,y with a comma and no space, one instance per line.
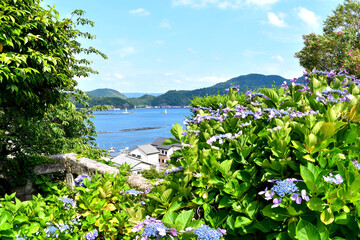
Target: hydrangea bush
280,163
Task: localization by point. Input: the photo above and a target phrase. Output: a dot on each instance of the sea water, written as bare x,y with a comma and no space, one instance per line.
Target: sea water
110,125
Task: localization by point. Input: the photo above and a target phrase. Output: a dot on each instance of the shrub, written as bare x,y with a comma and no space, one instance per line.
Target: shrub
278,165
151,174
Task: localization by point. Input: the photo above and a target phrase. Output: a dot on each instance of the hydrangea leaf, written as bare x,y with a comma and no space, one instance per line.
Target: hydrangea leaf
327,216
306,231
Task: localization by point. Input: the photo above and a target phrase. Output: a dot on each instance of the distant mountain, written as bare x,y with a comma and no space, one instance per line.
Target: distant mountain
245,82
136,95
142,101
116,102
106,92
181,97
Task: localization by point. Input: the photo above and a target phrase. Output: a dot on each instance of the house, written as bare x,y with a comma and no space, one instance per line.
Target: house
165,151
147,156
136,164
140,158
147,153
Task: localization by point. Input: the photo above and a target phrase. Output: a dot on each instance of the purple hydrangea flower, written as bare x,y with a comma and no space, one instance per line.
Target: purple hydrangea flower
79,180
356,164
220,138
174,169
282,188
276,202
337,179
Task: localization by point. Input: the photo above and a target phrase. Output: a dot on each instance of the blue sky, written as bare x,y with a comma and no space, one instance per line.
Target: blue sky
159,45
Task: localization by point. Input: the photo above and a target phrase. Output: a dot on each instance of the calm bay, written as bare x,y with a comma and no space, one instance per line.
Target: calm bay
139,126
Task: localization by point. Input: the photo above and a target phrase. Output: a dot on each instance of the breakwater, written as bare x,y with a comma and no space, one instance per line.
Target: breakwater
111,113
140,129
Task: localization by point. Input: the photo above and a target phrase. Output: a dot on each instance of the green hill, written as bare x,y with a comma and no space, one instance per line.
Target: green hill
245,82
116,102
107,96
141,101
106,92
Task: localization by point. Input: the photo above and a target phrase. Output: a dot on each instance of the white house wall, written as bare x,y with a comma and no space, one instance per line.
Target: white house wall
153,159
137,151
171,151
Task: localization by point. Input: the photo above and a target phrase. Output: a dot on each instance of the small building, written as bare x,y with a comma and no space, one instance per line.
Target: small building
147,153
165,151
136,164
140,158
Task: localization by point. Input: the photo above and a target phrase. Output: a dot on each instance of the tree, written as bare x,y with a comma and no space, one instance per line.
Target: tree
38,62
338,47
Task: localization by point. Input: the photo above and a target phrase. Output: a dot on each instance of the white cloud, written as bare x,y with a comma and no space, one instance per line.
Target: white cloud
308,17
177,81
140,12
126,51
192,50
222,4
165,24
276,20
183,2
278,58
159,42
159,60
118,75
261,3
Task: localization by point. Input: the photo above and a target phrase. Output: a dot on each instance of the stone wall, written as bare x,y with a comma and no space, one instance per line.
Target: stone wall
67,164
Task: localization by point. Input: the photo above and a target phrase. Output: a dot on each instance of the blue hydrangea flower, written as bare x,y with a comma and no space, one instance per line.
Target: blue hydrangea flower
91,235
68,202
79,180
65,228
76,221
51,231
152,228
206,233
283,188
133,192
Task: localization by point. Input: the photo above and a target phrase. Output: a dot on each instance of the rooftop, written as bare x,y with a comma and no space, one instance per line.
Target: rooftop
158,143
148,149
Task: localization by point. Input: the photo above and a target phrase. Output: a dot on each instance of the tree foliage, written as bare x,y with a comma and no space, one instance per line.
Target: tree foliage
39,59
338,47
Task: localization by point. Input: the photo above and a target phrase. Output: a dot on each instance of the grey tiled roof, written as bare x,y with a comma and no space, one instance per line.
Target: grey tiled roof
148,149
158,144
134,162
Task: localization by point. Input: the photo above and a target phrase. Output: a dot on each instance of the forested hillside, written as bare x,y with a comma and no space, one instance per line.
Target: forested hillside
183,97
